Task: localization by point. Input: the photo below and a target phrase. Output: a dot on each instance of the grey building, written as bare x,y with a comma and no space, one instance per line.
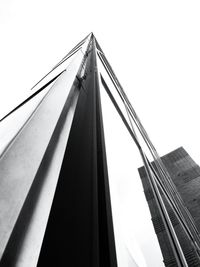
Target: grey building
185,174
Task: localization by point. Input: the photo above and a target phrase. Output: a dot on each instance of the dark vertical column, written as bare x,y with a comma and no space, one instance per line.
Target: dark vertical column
106,232
79,230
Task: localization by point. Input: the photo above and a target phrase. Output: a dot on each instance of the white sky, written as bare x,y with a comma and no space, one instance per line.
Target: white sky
153,46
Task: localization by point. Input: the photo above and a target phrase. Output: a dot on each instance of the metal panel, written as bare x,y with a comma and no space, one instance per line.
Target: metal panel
20,162
80,229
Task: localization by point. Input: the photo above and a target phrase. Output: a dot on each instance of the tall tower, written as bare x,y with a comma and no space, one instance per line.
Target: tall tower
54,187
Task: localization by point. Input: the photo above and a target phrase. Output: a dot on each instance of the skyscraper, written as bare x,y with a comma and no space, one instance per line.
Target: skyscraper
54,191
185,174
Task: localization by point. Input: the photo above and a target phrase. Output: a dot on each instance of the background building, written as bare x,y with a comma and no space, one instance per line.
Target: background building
185,174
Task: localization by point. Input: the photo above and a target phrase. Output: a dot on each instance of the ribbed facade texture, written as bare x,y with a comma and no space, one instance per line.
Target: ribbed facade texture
185,174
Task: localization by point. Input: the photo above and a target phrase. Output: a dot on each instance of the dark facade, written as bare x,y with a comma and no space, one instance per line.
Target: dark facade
185,174
84,229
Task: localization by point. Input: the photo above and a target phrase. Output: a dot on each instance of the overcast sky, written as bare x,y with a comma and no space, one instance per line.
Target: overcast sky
153,46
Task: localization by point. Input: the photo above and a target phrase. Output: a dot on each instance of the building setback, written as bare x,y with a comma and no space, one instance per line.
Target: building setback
185,174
